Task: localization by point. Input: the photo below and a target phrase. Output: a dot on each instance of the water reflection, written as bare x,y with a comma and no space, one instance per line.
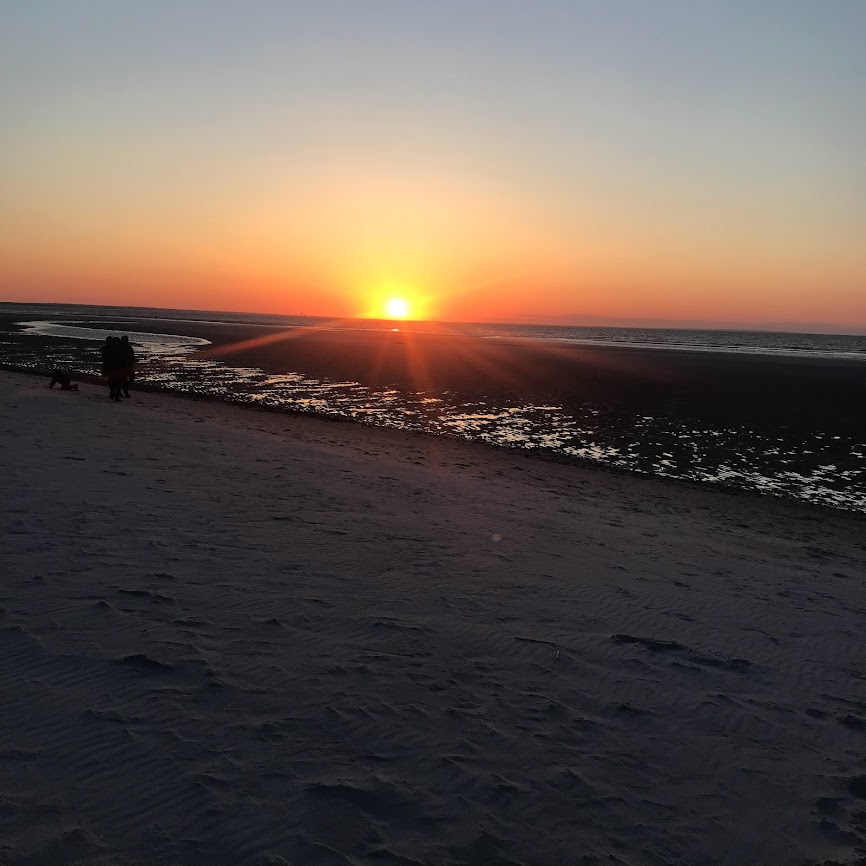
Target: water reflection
818,468
154,345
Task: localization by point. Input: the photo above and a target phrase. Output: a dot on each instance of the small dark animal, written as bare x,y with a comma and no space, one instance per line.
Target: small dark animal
59,377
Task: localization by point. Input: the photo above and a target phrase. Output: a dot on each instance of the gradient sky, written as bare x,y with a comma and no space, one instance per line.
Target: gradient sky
489,160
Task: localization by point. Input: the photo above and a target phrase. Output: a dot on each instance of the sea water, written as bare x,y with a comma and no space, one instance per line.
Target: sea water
819,467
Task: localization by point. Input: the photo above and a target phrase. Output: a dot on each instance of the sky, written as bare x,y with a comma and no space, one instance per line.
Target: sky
483,160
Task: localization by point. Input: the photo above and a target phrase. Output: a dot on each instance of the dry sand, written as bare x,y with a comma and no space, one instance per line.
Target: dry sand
233,637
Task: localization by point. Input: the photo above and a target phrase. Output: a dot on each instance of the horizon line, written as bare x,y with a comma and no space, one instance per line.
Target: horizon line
532,319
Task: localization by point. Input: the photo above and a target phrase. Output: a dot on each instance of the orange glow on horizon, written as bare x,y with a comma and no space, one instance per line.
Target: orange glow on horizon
451,247
398,300
301,162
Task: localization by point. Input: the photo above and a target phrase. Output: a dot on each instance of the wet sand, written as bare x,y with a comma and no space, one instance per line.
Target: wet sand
766,393
232,637
785,426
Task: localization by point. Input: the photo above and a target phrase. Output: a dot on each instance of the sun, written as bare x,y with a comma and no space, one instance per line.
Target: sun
397,308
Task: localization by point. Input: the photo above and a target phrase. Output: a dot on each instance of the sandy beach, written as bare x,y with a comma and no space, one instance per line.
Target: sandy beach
237,637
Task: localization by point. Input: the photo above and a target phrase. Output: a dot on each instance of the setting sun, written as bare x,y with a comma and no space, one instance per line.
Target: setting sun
397,308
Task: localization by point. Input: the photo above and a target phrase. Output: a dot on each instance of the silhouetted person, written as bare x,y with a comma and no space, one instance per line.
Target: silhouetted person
59,377
128,354
113,366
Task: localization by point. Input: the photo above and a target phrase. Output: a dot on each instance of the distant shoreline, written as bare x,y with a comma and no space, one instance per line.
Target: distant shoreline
575,321
226,331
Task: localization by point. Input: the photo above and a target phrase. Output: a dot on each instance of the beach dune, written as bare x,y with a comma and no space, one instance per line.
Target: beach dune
237,637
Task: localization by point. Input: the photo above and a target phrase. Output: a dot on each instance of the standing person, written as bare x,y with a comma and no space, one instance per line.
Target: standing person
128,354
113,366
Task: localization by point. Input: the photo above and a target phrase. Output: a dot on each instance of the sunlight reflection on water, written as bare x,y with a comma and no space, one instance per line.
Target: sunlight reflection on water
817,468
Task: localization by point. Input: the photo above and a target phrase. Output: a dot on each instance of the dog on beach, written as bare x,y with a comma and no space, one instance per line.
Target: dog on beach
62,378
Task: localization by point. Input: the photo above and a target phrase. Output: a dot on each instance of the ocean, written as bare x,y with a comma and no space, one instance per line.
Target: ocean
817,457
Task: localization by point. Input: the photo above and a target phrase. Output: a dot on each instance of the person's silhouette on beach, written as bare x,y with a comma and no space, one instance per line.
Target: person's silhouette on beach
62,378
128,355
113,366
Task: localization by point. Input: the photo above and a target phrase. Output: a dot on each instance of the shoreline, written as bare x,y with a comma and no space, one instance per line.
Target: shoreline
766,391
517,452
799,393
785,427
